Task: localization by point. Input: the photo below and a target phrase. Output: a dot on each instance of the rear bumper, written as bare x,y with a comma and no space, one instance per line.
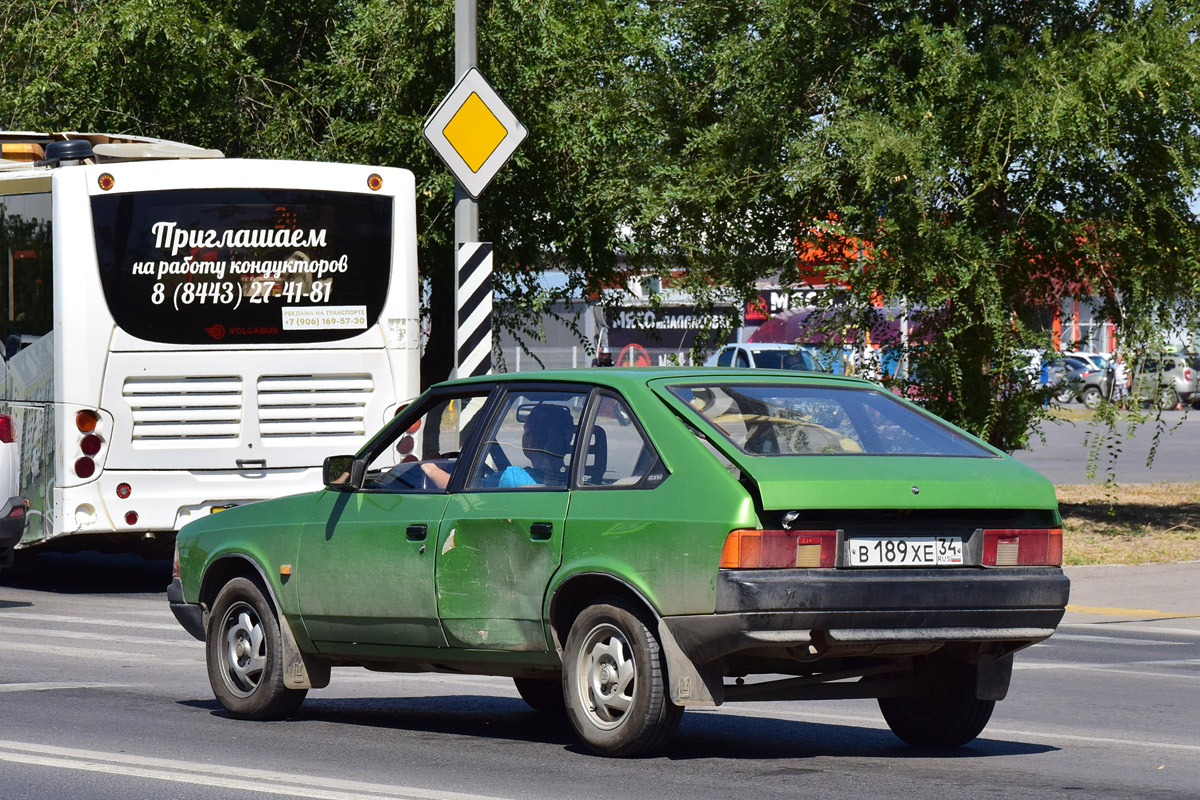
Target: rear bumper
795,608
189,615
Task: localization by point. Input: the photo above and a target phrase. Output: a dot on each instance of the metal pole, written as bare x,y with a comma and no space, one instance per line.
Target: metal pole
466,56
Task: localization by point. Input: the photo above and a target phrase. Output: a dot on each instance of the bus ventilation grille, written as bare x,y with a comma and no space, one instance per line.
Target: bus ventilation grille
305,406
184,408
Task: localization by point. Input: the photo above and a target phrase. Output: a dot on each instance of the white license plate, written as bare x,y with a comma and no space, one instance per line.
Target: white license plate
909,551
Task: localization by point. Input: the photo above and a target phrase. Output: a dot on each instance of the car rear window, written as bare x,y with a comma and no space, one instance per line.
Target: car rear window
798,419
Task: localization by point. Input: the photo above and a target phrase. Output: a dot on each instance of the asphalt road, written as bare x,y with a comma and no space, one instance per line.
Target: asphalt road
1067,451
102,695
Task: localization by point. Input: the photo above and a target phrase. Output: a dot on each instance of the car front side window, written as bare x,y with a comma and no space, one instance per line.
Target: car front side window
422,451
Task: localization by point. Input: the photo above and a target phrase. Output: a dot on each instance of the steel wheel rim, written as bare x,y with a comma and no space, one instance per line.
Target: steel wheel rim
606,676
243,649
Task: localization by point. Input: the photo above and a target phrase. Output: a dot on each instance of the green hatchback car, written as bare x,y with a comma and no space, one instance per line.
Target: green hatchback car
625,543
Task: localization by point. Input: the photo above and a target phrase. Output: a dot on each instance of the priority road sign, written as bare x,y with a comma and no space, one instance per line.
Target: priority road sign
474,132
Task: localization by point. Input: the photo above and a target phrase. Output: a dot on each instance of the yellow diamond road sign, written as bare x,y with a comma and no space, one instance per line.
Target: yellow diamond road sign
474,132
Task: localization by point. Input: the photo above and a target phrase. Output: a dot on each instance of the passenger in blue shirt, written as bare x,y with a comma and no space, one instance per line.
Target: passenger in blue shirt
546,441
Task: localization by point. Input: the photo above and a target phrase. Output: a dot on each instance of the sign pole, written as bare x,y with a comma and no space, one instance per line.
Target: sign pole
472,264
466,56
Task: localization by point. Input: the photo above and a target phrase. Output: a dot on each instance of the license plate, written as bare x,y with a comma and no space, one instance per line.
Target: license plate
909,551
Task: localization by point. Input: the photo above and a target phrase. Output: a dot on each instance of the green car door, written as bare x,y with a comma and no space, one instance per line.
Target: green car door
365,567
501,537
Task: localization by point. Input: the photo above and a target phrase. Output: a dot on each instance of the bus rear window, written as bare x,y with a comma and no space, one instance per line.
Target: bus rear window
243,266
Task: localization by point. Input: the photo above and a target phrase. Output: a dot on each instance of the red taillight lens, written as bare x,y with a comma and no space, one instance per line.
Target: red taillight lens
1022,548
124,490
7,432
86,421
131,517
85,467
90,444
755,549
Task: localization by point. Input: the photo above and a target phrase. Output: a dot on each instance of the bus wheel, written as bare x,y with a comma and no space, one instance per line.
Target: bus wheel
244,651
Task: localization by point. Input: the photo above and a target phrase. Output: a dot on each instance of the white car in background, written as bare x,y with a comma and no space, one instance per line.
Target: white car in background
764,355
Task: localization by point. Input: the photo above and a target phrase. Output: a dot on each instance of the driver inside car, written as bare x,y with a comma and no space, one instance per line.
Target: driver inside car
546,440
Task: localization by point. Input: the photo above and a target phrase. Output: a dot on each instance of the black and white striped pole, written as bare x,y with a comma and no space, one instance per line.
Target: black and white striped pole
473,314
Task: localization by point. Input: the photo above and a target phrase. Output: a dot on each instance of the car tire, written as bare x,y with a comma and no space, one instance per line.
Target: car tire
244,651
543,696
950,715
1064,396
1168,398
1091,397
615,679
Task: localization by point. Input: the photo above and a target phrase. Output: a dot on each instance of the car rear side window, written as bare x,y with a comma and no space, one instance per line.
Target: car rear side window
618,455
797,419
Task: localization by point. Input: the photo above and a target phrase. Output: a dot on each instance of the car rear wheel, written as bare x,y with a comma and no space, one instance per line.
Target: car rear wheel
542,695
616,691
244,650
949,715
1167,398
1091,397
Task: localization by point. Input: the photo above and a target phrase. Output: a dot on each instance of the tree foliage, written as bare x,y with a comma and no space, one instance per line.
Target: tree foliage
989,156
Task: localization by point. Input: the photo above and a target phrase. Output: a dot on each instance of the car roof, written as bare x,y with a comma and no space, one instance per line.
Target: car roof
619,377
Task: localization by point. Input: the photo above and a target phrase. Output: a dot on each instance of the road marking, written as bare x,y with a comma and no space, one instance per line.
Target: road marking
90,621
108,655
1091,626
48,686
218,775
1144,613
101,637
1139,673
1086,637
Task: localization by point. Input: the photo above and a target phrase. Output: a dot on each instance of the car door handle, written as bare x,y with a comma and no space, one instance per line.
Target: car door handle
541,531
417,533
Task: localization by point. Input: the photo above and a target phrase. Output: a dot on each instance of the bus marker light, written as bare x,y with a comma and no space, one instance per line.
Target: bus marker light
131,517
85,467
106,181
86,421
90,444
124,490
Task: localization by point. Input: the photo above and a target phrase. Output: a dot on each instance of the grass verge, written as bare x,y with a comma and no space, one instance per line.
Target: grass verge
1135,523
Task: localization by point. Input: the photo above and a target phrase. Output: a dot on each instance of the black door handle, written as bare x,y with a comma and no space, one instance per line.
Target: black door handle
417,533
541,531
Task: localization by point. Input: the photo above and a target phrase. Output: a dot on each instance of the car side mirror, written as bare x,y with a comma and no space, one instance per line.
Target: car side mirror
344,473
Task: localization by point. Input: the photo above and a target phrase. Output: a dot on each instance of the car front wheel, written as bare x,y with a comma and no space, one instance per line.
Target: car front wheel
615,675
949,715
244,650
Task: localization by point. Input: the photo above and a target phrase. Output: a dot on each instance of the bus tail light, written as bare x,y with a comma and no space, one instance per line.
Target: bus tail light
1012,547
756,549
7,432
86,421
131,517
85,467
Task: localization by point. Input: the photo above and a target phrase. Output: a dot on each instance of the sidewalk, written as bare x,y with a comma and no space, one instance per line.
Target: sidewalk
1131,593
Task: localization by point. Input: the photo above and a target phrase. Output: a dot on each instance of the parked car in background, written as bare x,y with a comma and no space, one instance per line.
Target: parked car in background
1089,384
625,543
1058,369
1165,381
1100,361
765,355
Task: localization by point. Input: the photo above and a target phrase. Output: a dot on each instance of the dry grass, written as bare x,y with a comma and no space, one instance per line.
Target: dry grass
1130,523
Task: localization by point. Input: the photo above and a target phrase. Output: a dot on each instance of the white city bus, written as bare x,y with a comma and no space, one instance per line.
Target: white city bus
184,332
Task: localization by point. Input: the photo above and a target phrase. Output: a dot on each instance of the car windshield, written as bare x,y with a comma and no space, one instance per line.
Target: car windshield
798,419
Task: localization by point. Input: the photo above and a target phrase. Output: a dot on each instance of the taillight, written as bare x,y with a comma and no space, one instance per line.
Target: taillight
755,549
175,563
7,432
86,421
1012,547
